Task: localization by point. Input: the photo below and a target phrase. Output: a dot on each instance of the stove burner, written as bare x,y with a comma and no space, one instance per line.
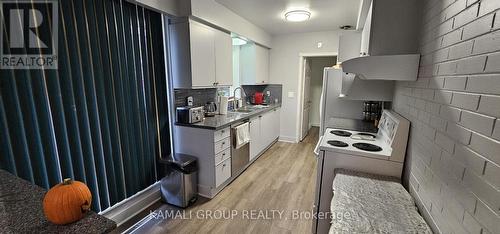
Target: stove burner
366,134
337,143
341,133
367,147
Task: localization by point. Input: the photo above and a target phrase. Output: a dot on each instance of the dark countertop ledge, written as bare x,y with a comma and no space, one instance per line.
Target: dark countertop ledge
222,121
21,211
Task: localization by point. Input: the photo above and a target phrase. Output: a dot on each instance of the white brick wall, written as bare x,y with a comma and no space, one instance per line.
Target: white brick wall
453,161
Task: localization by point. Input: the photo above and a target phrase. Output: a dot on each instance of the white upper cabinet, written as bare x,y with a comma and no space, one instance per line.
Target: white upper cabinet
389,27
223,59
254,64
365,34
202,43
201,55
349,46
262,65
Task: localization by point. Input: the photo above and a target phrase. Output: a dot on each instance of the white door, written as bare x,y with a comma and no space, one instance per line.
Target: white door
223,58
306,106
202,55
254,137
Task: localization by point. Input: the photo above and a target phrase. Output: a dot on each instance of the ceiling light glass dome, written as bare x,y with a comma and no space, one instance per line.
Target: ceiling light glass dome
297,15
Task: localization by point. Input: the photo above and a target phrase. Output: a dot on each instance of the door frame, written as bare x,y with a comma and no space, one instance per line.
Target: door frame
301,79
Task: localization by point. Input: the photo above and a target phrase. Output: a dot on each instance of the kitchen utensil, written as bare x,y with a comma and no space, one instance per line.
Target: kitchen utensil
223,103
210,109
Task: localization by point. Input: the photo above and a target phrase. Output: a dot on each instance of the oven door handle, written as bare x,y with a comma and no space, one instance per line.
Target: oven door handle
316,149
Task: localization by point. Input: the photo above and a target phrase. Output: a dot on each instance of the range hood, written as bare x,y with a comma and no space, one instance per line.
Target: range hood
372,77
354,88
384,67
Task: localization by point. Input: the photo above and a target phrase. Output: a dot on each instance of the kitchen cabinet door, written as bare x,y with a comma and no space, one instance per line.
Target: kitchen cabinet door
276,123
202,55
222,172
365,34
223,58
266,129
247,64
349,46
254,64
254,137
262,65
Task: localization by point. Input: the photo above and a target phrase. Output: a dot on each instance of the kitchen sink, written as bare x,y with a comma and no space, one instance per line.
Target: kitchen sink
248,109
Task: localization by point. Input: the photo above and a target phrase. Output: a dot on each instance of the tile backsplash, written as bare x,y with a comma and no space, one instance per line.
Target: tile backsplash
275,89
200,96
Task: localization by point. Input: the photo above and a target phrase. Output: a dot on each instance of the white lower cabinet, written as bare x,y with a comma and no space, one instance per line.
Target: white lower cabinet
213,150
276,123
254,137
222,172
264,130
223,155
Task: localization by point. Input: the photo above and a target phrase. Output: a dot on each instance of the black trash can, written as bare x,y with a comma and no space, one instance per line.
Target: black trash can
179,187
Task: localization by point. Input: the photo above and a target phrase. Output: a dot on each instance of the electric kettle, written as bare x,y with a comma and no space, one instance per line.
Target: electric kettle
210,109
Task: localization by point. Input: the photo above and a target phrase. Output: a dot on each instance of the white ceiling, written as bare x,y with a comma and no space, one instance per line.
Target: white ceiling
269,14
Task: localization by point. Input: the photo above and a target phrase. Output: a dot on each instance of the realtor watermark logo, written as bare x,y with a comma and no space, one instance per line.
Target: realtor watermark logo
28,34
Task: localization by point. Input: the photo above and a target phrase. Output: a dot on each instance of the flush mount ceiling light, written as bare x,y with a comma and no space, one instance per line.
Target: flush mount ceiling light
297,15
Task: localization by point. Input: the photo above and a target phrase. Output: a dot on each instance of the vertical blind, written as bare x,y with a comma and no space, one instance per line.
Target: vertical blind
101,117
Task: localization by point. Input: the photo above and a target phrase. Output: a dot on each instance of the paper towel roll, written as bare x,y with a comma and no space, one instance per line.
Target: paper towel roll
223,105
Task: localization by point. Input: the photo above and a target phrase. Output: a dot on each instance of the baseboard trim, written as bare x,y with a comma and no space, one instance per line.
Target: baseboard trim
424,212
287,139
130,207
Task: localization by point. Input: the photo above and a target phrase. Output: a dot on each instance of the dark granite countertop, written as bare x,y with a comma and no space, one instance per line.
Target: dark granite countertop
351,124
21,211
221,121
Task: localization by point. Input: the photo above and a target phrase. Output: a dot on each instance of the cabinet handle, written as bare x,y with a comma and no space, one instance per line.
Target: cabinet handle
260,116
224,143
223,154
222,131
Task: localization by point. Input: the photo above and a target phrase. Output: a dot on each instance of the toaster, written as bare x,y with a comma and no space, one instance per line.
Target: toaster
189,115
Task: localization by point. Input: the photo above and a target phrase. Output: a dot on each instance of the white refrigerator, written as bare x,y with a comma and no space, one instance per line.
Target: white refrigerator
332,107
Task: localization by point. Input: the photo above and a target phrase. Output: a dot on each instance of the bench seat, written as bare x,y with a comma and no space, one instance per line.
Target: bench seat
367,203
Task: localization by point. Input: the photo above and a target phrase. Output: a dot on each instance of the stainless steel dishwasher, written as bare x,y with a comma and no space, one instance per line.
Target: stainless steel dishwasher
239,157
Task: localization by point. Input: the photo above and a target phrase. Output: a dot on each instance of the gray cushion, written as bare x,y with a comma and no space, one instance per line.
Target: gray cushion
367,203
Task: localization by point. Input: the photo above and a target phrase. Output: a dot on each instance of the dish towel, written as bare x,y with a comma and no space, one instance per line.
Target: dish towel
242,135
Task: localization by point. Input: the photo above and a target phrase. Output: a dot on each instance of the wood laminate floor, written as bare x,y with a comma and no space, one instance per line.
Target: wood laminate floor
283,180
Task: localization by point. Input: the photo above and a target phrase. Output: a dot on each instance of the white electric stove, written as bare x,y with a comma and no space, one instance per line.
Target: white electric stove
353,142
380,153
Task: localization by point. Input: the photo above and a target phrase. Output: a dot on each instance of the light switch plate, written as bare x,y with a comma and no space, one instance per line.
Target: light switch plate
291,94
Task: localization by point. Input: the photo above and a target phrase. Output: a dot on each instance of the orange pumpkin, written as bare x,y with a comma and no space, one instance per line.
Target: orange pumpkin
67,202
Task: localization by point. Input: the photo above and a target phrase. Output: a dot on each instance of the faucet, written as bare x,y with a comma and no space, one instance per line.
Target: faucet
242,92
